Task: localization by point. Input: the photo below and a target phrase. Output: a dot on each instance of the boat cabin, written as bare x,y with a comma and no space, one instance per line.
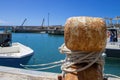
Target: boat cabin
5,38
113,34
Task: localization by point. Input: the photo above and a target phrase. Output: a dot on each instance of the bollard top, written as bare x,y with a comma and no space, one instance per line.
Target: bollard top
85,33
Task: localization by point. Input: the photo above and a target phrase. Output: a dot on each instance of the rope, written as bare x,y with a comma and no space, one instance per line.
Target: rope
51,65
46,64
77,57
73,57
43,68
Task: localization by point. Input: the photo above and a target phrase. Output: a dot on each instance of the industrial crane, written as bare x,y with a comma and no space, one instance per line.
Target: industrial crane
43,23
21,27
23,22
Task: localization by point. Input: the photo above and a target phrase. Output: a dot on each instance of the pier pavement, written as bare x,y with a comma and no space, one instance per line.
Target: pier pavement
8,73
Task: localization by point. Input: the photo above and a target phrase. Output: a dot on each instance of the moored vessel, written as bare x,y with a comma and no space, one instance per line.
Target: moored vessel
13,54
113,44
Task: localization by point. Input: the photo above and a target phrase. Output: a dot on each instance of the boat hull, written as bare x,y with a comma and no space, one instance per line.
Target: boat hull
115,53
56,32
15,62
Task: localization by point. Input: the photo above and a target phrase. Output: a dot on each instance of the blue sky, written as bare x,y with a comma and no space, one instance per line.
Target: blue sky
13,12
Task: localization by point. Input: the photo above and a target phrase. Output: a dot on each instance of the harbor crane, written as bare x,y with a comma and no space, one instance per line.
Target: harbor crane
43,22
23,23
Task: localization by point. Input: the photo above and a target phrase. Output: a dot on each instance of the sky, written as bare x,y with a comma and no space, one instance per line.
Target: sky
13,12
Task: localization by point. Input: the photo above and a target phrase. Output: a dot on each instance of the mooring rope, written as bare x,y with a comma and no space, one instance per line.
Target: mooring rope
72,57
46,64
51,65
44,68
77,57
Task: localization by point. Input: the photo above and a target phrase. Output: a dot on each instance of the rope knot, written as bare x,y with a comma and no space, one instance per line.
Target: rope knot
78,57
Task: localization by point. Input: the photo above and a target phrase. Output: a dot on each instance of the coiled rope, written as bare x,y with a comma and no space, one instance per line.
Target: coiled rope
77,57
72,57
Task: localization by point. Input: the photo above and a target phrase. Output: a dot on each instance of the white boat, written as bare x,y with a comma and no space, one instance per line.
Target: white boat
13,54
113,50
113,44
17,50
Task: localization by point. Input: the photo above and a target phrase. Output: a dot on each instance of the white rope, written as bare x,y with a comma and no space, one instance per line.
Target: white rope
43,68
64,49
74,57
51,65
46,64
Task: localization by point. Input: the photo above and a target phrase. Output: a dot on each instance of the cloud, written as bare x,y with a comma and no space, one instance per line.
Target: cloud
3,22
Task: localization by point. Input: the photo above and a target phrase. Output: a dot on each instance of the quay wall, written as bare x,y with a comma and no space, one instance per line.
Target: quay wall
32,29
8,73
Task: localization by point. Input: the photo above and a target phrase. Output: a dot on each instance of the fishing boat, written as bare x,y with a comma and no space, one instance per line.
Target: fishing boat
113,43
13,54
56,31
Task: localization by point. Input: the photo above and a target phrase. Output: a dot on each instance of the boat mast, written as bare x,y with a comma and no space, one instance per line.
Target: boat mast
48,19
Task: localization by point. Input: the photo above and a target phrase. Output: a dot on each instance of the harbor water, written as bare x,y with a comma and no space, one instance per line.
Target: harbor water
46,46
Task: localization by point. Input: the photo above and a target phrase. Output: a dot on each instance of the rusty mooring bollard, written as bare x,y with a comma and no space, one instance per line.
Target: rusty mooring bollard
85,34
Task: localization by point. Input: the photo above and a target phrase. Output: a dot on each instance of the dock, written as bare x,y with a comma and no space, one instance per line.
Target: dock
8,73
32,29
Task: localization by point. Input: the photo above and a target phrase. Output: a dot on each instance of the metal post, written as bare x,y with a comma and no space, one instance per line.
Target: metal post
48,19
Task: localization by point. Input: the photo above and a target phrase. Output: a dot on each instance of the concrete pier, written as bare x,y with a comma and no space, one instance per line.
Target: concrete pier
8,73
32,29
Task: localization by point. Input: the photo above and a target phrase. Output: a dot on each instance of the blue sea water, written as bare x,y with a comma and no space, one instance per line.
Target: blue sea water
46,46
